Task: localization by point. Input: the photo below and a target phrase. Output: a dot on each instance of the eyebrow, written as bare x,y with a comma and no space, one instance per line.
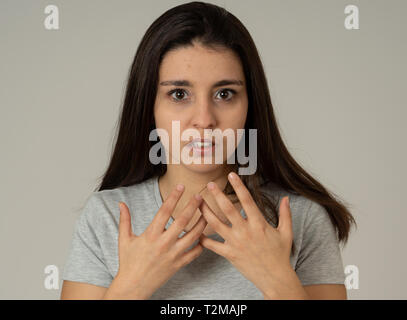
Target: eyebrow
186,83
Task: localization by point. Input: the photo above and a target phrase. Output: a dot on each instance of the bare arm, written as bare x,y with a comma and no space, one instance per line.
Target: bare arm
72,290
326,292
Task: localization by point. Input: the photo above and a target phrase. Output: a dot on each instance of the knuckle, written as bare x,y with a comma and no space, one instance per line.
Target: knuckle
194,202
179,263
198,232
259,227
190,256
169,203
186,238
171,263
172,256
173,198
229,209
182,220
161,247
199,226
242,236
164,211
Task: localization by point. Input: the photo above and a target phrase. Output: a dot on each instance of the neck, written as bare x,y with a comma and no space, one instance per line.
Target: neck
194,182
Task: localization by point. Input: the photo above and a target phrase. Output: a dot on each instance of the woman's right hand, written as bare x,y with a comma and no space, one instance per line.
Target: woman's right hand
147,261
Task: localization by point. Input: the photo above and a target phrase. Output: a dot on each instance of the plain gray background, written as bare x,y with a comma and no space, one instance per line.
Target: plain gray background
338,95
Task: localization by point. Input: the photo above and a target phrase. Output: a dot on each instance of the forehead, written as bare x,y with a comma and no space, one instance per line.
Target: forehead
198,63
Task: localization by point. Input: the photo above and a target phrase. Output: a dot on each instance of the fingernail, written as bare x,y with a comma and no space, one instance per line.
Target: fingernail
211,186
180,187
232,175
287,202
198,197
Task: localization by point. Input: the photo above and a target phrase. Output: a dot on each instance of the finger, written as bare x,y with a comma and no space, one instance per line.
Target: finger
249,205
213,245
160,220
221,228
285,219
180,223
189,256
192,235
125,231
225,205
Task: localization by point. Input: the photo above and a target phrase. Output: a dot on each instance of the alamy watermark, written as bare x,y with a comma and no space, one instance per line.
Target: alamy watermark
51,281
212,143
51,21
352,19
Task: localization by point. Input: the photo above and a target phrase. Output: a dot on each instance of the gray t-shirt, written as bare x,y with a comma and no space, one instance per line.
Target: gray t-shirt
93,255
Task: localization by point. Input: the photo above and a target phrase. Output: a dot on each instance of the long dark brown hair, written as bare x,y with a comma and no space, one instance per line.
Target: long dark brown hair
213,27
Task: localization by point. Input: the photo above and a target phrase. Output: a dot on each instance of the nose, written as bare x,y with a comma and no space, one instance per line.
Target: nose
203,115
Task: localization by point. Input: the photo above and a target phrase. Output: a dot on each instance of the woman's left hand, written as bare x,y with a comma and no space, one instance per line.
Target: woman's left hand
257,249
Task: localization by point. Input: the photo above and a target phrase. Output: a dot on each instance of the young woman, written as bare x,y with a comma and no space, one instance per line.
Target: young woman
203,230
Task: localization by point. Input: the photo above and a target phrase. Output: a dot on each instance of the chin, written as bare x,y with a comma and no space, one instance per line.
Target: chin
202,168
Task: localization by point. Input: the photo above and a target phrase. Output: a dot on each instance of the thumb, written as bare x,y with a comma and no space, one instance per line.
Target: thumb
125,231
285,221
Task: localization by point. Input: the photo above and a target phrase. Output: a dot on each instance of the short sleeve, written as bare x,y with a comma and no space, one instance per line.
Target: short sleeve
319,259
85,262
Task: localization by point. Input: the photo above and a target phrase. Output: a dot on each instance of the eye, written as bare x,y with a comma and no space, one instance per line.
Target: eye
227,93
178,94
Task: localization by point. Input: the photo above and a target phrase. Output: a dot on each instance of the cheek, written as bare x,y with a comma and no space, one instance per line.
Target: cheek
236,119
163,117
172,123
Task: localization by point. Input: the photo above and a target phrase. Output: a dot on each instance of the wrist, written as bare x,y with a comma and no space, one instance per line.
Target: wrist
120,290
285,285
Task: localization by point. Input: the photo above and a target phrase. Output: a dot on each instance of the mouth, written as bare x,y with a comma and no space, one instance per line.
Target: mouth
202,146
